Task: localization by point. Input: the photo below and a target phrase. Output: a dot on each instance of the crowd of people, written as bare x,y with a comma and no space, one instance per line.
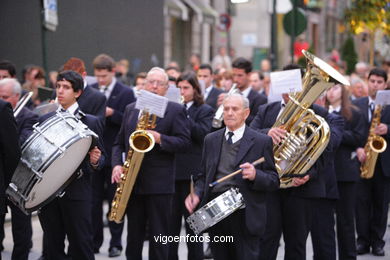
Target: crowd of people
345,214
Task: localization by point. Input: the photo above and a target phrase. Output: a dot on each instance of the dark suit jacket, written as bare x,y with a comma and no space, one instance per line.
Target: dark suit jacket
255,100
264,120
348,169
212,98
156,175
93,102
188,162
253,146
80,187
9,150
25,121
383,158
120,97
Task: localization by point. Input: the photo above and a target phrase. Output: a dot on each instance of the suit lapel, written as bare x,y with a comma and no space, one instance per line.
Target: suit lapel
215,156
113,95
192,111
245,145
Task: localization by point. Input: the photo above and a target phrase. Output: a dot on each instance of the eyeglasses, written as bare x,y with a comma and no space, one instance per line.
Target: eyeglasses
158,83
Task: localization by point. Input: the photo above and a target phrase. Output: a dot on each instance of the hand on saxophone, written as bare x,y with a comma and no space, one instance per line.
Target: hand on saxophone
191,202
116,174
156,135
361,155
277,134
381,129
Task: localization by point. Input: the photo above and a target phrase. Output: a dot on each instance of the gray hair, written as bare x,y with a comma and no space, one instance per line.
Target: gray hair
16,88
245,101
158,70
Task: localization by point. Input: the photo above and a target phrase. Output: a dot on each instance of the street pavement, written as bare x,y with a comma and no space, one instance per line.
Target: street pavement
37,245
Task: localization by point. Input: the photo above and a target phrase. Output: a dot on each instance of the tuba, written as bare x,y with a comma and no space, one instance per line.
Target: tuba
141,141
375,145
218,117
307,133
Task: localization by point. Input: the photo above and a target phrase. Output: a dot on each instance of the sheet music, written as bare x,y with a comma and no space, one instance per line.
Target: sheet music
382,98
173,94
286,81
155,104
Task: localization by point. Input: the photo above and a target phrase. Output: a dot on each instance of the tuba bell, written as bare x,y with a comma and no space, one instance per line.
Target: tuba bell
307,133
141,142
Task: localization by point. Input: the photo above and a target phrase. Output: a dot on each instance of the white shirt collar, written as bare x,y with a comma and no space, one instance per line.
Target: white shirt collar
334,109
72,109
245,93
207,91
238,133
370,100
85,83
189,104
109,89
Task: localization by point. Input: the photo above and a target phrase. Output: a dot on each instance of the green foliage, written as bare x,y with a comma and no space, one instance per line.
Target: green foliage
349,55
369,15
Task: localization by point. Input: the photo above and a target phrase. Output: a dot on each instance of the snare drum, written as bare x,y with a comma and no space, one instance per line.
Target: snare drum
50,158
216,210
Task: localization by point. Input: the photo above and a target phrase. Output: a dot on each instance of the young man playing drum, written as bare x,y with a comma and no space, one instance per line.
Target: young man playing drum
71,213
224,151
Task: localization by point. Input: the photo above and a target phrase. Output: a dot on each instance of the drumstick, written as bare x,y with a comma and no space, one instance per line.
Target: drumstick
192,185
258,161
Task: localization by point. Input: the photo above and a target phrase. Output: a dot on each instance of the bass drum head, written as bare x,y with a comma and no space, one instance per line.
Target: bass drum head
57,175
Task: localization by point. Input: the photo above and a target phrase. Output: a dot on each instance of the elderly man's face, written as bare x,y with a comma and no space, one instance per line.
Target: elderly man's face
7,94
156,83
234,113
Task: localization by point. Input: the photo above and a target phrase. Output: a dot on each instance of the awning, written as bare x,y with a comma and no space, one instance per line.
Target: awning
176,8
204,12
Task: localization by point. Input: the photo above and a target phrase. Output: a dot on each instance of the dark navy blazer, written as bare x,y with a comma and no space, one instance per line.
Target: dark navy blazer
212,98
9,150
93,102
156,175
255,100
253,146
188,162
120,97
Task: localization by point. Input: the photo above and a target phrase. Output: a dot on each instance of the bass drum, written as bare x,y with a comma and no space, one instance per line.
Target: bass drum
49,162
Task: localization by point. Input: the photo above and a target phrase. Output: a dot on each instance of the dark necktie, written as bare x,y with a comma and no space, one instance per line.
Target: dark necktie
229,140
63,110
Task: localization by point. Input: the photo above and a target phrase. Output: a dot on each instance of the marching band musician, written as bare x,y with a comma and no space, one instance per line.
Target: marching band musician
322,227
242,69
289,209
211,93
373,194
346,167
9,152
118,97
10,91
200,116
151,199
224,151
71,213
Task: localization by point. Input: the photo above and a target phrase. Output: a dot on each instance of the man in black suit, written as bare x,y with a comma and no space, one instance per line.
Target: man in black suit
10,91
187,163
71,213
9,151
373,194
224,151
211,93
118,97
151,199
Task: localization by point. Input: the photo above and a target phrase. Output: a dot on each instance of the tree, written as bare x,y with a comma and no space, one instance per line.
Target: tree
369,16
349,55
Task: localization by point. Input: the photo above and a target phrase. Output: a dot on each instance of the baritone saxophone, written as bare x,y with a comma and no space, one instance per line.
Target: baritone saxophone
141,141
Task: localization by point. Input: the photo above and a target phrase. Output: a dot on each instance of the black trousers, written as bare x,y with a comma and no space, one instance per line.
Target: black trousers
195,249
154,209
103,189
322,230
70,217
21,232
372,209
290,215
345,220
244,245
